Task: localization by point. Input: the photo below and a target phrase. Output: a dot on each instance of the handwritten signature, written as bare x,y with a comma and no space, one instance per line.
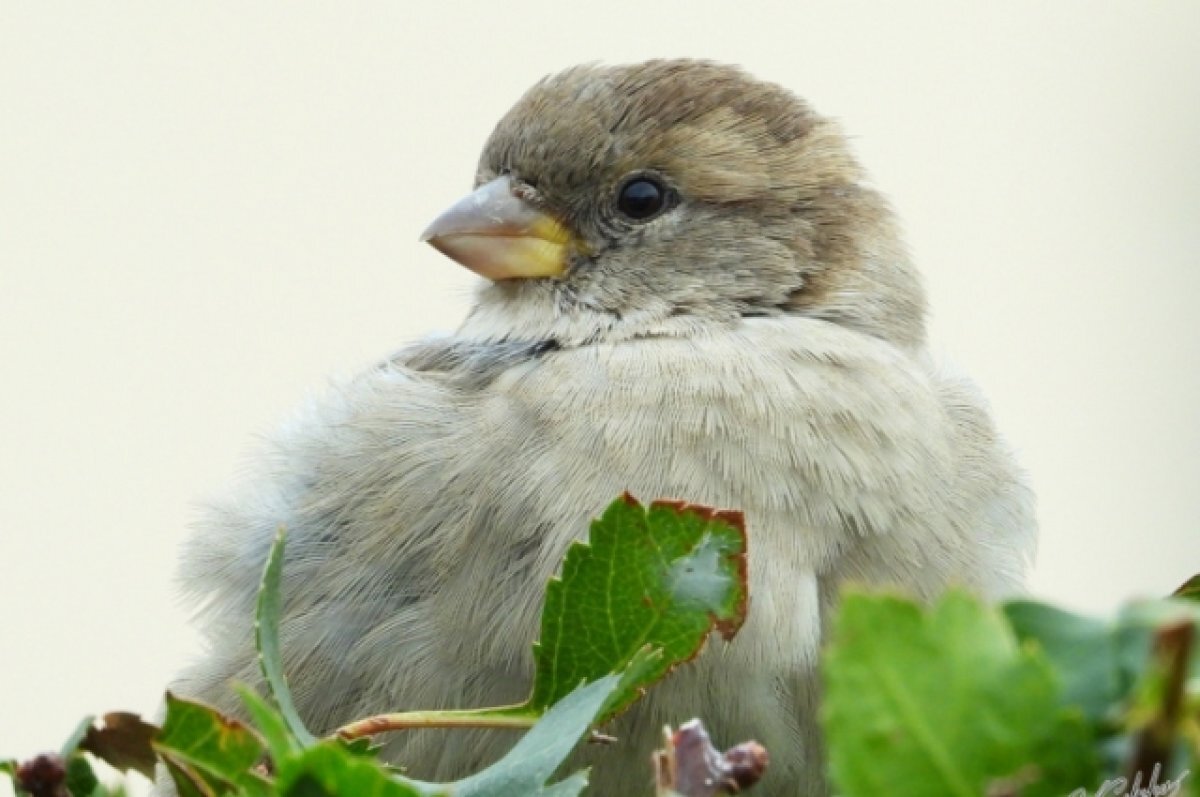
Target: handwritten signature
1121,787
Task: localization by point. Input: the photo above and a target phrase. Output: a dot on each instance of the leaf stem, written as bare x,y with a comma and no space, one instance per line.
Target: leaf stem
510,717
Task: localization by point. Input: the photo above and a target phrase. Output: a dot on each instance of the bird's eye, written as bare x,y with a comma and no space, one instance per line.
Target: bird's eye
642,198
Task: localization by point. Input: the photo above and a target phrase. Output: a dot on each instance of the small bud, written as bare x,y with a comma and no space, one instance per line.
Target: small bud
44,776
690,766
746,763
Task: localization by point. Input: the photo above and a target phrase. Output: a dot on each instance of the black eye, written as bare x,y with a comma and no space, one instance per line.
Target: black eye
642,198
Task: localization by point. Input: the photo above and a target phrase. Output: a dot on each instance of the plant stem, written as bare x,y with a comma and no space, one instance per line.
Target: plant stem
1172,646
510,717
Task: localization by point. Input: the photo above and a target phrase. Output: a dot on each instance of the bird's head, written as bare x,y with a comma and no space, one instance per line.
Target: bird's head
665,198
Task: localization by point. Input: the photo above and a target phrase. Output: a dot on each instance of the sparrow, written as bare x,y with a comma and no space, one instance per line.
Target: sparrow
689,291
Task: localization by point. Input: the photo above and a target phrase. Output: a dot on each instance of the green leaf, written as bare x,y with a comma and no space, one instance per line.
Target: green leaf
944,702
9,767
1190,589
524,771
81,781
266,635
1098,662
1082,650
663,578
362,746
327,769
269,723
572,786
210,752
188,782
639,598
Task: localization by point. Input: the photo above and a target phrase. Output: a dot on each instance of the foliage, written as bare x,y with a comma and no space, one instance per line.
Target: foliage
958,698
1023,699
660,579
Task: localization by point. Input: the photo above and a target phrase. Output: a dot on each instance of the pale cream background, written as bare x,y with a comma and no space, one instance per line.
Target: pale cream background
205,209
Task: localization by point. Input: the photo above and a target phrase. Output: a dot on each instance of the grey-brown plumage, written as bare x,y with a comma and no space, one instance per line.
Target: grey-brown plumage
757,341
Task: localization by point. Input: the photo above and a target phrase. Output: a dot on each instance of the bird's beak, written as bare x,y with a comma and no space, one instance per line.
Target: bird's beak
497,234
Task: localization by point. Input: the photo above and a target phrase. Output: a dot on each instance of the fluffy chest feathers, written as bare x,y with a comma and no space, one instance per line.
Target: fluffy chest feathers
430,499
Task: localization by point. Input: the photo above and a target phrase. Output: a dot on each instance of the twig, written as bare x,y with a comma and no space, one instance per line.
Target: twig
1172,649
407,720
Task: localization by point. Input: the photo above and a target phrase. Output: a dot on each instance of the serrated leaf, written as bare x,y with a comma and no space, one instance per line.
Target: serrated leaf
266,636
523,772
202,743
362,747
944,702
123,741
327,769
81,781
663,577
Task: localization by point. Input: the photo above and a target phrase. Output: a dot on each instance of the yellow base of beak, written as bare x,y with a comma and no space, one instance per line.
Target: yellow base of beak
497,234
502,257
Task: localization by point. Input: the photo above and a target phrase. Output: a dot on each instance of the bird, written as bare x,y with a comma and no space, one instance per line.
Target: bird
689,289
